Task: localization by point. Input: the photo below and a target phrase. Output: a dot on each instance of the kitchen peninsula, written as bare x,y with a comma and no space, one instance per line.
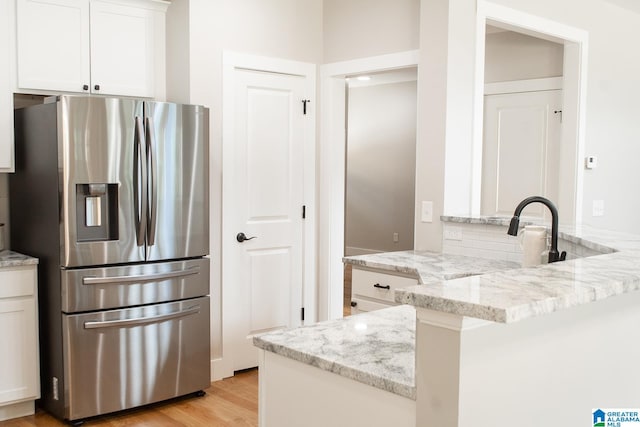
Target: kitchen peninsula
525,346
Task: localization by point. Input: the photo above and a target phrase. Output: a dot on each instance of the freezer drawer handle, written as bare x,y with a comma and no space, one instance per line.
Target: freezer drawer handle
139,278
142,320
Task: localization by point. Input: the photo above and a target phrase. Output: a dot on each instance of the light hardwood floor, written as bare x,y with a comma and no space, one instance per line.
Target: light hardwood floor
346,306
232,402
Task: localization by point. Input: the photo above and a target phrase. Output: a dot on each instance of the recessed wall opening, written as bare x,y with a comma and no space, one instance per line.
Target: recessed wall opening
528,68
522,121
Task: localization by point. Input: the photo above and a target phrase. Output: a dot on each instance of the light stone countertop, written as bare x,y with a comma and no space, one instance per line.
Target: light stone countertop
429,267
15,259
514,295
375,348
378,348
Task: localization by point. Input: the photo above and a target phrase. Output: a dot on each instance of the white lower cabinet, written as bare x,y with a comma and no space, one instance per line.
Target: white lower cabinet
373,289
19,358
293,394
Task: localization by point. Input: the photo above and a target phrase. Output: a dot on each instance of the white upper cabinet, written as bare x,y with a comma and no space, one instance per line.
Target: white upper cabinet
122,46
110,47
53,44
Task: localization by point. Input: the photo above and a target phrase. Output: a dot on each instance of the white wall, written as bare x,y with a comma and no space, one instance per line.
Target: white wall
362,28
611,132
289,29
513,56
381,147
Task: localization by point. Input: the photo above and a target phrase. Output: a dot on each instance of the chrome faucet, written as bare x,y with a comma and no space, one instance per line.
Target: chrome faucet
554,255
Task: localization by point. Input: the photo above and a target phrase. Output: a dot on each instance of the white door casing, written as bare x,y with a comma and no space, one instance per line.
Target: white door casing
267,153
521,150
332,173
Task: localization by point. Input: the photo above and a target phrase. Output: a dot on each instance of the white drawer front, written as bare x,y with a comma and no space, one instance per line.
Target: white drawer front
17,281
380,286
363,306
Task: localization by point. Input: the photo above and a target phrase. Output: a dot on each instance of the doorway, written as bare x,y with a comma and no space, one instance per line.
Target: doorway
268,164
380,164
331,202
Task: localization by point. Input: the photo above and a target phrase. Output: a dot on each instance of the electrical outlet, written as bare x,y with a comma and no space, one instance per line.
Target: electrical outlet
396,238
598,208
427,211
452,233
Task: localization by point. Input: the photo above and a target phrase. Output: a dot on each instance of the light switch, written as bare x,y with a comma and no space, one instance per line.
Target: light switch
427,211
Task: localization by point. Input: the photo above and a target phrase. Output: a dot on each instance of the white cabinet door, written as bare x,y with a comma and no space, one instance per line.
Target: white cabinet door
106,47
6,92
19,371
122,49
521,145
53,45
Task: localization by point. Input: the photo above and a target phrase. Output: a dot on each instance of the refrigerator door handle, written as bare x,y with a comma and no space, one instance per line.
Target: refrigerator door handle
139,183
141,320
140,277
153,195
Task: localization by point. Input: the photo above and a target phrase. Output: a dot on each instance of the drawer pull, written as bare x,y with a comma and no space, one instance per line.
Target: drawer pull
379,286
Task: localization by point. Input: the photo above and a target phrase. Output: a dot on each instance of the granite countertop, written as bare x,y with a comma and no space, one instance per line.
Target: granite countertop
378,348
15,259
375,348
514,295
430,267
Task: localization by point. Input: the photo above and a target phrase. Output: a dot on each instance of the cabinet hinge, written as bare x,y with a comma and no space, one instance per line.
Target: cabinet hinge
304,211
304,106
302,313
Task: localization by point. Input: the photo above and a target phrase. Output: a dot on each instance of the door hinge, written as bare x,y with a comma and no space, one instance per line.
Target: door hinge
304,106
558,112
302,313
304,211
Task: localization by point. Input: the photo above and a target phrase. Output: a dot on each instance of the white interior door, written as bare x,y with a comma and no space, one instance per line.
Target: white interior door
521,150
263,276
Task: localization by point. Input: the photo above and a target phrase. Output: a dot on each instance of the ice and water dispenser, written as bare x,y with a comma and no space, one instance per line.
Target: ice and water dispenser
96,212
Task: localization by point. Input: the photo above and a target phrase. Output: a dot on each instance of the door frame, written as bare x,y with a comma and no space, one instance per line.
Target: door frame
230,62
332,171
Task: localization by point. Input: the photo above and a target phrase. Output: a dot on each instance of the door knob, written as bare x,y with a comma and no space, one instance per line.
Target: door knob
241,237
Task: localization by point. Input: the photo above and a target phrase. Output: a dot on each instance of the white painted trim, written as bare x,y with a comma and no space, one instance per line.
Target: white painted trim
230,62
574,93
217,370
332,171
522,22
518,86
390,61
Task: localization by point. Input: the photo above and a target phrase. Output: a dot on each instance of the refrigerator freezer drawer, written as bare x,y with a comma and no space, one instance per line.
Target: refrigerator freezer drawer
121,359
103,288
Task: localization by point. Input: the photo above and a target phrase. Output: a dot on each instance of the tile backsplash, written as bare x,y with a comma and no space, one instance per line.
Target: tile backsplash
492,242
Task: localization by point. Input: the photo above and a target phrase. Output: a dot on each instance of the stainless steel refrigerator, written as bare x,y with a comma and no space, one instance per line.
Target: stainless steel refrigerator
112,196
